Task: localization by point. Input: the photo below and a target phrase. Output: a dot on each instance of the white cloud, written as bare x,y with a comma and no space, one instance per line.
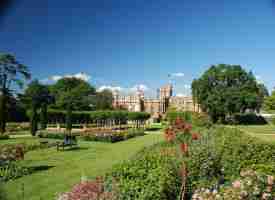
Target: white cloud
180,95
186,86
55,78
178,74
141,87
81,75
111,88
259,79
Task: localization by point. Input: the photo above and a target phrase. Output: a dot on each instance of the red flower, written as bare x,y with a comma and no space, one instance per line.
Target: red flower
179,121
169,135
187,128
195,136
184,148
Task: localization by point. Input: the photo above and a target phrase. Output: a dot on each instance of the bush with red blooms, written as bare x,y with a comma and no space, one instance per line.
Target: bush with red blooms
180,132
88,190
169,135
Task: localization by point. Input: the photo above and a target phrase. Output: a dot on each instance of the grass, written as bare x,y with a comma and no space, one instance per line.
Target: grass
59,171
263,132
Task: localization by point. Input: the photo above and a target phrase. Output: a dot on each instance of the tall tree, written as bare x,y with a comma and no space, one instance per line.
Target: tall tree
12,73
72,94
37,97
103,100
225,90
73,90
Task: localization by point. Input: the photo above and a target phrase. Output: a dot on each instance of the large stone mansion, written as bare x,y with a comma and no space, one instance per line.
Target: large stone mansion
155,106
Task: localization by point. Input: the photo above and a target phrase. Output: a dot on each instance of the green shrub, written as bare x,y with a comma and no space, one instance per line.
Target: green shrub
201,120
224,152
149,175
248,119
173,115
48,135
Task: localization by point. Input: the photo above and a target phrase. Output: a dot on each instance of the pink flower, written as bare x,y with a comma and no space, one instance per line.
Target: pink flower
236,184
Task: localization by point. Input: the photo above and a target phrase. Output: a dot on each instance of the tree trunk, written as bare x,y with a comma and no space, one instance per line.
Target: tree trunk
34,119
69,119
3,112
43,116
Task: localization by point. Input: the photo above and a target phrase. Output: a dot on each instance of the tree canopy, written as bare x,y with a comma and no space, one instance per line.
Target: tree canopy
72,91
12,75
37,97
224,90
269,102
103,100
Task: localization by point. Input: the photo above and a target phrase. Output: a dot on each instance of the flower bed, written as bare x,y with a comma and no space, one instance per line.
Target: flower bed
251,185
89,190
107,135
200,163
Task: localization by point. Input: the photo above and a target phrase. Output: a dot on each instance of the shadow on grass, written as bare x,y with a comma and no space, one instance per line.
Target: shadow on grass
39,168
74,149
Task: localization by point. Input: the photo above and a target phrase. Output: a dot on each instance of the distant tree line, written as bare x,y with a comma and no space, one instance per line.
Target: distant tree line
69,94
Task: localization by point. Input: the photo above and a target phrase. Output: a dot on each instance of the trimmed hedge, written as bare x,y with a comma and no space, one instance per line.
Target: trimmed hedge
59,136
57,116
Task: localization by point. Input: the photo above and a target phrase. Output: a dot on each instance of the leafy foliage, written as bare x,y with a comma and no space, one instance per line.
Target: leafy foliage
37,96
269,102
72,91
103,100
224,90
149,175
249,119
12,73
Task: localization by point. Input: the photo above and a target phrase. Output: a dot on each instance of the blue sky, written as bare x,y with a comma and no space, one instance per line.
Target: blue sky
123,43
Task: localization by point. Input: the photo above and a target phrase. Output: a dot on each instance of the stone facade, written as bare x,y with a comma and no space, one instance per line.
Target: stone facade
158,105
184,103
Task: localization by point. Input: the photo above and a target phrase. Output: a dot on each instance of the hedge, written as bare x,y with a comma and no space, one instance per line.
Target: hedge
56,116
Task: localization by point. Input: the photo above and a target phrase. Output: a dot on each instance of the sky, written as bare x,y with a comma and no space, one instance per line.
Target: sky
126,44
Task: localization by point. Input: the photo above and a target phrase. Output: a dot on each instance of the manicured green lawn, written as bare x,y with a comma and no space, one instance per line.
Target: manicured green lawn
264,132
65,168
